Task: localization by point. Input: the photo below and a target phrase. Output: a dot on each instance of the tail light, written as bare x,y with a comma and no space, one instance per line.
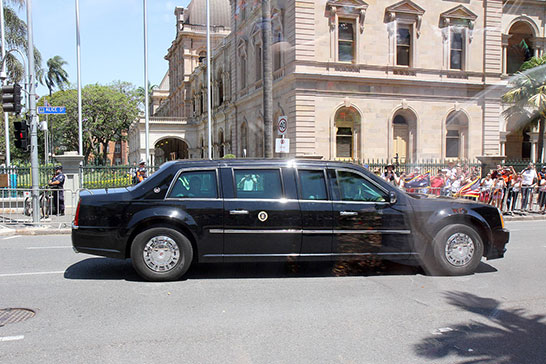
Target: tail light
75,223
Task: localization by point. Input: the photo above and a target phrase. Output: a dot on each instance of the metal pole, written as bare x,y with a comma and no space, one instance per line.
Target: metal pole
146,108
268,79
6,118
33,119
209,113
46,139
78,56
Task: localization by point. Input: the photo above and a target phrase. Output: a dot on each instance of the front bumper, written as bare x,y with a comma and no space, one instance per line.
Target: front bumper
497,248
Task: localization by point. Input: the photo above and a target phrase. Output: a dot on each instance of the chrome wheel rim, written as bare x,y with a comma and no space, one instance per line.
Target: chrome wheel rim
161,254
459,249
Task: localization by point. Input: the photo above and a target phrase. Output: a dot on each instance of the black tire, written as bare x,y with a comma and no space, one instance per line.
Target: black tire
451,261
177,263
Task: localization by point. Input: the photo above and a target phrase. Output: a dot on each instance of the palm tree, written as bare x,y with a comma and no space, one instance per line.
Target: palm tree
56,75
527,97
16,38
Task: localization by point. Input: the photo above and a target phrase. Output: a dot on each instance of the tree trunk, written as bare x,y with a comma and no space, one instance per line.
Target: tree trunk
268,79
540,146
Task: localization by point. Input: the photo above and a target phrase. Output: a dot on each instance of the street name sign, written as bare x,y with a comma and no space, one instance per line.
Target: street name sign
51,110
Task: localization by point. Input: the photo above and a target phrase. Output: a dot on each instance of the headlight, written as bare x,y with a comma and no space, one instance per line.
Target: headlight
501,218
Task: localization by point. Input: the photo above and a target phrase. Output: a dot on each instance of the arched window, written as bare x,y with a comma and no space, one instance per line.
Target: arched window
202,146
277,30
221,144
400,138
347,120
220,89
456,135
202,57
244,139
519,46
404,135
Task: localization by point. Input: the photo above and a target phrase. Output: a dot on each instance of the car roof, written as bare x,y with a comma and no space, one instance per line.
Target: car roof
248,162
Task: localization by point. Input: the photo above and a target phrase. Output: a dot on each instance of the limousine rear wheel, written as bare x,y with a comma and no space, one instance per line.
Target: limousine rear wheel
458,250
161,254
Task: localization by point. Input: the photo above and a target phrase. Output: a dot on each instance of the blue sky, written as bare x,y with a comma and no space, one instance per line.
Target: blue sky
111,33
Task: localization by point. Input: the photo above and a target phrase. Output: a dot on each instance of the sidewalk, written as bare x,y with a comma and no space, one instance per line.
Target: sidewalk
53,225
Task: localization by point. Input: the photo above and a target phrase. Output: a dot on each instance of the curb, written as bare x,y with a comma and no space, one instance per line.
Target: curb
524,218
42,231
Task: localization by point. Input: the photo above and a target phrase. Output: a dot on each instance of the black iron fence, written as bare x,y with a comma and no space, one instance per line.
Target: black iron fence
21,177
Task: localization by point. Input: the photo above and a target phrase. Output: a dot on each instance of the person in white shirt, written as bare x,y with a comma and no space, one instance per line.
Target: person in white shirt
528,177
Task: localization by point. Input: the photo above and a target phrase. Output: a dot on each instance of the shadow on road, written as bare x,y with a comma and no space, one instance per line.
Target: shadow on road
115,269
498,336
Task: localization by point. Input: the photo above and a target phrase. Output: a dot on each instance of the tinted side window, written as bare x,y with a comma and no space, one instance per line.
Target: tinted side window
195,184
354,187
313,185
256,183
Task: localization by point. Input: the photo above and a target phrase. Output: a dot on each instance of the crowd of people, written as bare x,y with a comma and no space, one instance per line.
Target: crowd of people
512,192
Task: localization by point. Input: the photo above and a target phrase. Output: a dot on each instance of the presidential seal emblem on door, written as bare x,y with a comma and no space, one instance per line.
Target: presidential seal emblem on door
262,216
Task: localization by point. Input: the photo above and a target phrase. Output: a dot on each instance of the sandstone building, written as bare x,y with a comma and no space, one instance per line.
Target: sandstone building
356,79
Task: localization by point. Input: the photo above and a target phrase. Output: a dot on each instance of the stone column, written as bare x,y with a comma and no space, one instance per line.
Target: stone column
489,162
71,168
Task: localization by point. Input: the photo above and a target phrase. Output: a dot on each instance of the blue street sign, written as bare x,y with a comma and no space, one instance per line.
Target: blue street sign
51,110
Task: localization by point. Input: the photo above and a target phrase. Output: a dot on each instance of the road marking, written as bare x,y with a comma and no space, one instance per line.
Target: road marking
11,338
12,237
29,274
50,247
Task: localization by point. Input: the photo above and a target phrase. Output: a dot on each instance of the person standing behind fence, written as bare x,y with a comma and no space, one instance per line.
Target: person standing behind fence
542,195
529,177
57,184
141,173
485,188
498,192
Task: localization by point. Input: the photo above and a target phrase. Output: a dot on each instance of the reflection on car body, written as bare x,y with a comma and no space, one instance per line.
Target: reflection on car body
273,210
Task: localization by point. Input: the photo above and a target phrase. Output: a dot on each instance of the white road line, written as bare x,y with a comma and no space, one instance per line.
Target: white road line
11,338
50,247
29,274
12,237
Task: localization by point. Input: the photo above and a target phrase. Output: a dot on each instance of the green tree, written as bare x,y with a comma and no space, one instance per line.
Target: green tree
56,75
527,98
107,115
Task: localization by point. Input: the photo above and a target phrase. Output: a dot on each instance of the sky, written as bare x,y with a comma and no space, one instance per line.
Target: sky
111,38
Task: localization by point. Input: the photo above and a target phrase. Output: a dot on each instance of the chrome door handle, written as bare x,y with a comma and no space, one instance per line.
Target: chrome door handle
348,213
238,212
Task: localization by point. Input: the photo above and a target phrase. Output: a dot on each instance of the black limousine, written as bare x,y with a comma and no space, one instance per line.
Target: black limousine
274,210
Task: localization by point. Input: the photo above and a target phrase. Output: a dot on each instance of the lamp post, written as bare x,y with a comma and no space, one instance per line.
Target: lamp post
146,106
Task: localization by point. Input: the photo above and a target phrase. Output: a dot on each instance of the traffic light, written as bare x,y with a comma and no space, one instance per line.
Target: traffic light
11,98
21,135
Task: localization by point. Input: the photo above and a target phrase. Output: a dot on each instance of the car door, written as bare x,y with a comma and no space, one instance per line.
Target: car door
262,217
316,213
195,194
365,222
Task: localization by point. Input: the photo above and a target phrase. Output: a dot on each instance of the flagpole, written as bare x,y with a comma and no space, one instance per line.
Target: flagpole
78,54
209,114
146,106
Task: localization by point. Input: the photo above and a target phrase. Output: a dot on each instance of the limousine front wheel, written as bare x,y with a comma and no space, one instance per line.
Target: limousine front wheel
161,254
458,250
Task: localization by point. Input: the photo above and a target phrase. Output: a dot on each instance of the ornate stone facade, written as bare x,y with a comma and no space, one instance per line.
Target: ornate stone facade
359,79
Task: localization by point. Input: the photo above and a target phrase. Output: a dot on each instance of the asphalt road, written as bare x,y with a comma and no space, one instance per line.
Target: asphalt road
91,309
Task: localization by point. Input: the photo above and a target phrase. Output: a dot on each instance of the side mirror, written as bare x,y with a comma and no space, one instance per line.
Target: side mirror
392,198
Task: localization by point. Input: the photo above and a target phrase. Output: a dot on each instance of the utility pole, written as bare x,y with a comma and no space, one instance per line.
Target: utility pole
268,79
33,124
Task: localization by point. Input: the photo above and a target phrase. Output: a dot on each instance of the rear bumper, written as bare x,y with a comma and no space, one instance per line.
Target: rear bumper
102,242
497,248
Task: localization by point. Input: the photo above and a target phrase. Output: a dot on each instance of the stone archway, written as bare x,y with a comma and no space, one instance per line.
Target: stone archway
168,149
